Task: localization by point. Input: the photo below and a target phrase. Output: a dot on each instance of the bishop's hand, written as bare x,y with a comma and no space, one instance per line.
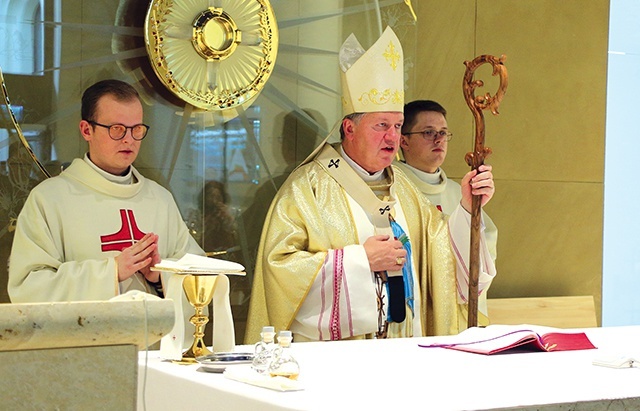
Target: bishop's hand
384,253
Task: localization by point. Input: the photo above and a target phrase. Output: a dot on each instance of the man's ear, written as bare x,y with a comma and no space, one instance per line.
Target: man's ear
404,142
347,127
86,129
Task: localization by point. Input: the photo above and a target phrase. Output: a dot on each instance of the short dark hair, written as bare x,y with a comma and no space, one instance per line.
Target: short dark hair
355,117
120,90
412,109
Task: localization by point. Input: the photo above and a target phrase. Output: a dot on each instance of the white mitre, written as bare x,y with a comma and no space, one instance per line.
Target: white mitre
372,80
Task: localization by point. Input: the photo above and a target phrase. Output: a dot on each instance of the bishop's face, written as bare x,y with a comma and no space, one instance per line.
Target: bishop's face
113,156
373,140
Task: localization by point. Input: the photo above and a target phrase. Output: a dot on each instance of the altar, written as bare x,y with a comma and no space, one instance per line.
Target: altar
76,355
398,374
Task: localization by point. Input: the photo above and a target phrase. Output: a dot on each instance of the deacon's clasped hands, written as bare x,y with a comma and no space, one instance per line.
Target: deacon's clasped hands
141,256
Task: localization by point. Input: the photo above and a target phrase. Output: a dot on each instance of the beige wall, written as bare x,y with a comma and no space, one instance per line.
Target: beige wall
548,140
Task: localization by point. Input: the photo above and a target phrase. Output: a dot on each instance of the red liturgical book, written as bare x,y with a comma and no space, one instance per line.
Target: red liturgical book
499,338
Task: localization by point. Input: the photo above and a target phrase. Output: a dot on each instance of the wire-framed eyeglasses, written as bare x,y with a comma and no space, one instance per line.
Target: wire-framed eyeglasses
118,131
432,134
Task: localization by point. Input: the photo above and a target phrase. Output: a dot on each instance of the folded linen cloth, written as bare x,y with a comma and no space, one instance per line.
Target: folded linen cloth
247,375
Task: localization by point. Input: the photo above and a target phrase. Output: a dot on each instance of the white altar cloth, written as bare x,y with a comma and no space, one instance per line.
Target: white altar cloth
397,374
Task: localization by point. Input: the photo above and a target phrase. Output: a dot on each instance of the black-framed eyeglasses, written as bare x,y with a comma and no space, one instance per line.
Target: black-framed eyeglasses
118,131
432,134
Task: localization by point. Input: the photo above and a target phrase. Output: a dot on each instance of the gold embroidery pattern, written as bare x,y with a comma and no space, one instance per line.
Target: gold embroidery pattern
398,97
377,97
392,55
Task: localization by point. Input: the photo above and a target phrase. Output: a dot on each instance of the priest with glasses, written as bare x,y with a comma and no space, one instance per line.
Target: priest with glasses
94,231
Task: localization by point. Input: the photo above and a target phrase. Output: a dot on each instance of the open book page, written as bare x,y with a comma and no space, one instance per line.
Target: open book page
497,338
198,264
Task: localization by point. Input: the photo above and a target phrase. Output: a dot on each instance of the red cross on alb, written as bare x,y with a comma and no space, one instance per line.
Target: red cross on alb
128,234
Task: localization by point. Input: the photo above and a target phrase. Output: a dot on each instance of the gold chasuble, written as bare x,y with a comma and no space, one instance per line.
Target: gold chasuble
312,218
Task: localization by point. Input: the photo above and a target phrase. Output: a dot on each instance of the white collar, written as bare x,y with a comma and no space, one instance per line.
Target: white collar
125,179
434,178
364,174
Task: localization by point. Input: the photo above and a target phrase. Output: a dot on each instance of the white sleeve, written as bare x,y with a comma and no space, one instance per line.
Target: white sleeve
460,235
342,300
38,271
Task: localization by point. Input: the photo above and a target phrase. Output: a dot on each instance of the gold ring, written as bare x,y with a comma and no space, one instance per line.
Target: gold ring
399,260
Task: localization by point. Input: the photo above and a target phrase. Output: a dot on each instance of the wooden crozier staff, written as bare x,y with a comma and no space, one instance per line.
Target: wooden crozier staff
476,158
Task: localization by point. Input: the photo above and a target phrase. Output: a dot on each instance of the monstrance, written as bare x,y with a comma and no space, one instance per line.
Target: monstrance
215,55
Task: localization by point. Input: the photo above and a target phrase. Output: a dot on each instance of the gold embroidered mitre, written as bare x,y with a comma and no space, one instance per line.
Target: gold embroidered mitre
372,80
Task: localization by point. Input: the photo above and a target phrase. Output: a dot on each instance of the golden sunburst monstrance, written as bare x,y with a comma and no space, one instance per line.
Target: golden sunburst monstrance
212,54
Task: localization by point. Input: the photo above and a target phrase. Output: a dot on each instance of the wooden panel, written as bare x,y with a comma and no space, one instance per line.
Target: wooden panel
541,250
560,312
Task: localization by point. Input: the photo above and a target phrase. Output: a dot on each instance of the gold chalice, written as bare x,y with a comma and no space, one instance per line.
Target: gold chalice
199,290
